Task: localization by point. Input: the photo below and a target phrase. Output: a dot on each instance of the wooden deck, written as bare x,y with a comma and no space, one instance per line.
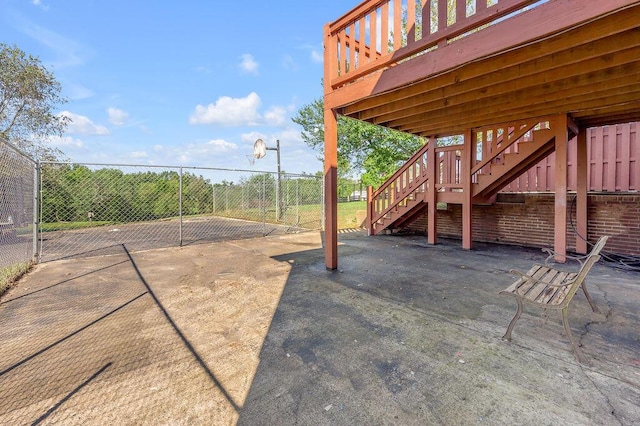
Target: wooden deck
578,57
438,68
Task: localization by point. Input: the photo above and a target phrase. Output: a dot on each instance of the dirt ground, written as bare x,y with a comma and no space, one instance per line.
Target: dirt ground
257,331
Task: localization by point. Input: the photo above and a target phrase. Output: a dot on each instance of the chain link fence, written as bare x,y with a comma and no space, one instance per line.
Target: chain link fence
90,207
95,342
17,216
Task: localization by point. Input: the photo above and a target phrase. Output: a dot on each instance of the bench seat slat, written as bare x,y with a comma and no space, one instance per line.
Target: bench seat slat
539,289
522,285
551,292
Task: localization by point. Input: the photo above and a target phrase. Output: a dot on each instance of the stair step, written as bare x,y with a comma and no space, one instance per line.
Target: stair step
515,162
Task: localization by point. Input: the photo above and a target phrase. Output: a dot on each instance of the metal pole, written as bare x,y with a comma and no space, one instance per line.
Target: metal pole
35,212
180,204
322,224
278,185
40,219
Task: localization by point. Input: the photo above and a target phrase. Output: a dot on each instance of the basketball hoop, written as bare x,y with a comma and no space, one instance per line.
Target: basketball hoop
259,149
251,158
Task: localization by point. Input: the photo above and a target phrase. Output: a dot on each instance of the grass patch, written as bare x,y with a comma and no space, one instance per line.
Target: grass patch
348,214
10,274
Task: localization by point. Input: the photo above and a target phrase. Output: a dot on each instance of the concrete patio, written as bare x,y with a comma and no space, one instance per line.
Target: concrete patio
258,332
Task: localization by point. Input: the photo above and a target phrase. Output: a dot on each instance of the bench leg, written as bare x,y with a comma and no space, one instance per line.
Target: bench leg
565,321
594,308
507,335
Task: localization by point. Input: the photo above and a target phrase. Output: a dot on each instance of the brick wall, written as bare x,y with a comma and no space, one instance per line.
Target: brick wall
528,219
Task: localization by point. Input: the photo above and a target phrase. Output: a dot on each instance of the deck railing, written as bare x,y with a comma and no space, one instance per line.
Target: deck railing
380,33
493,142
407,183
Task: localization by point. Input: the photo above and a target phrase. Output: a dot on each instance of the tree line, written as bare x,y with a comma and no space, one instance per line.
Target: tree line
76,193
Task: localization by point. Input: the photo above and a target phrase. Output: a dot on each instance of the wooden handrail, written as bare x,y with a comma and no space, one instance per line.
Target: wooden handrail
387,186
512,137
419,153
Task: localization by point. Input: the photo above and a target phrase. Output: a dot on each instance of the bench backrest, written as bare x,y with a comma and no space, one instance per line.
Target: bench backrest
598,246
591,259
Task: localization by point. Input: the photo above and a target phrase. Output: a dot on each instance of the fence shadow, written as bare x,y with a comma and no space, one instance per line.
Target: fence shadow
97,346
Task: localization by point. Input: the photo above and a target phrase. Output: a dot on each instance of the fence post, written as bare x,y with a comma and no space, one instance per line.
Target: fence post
40,210
264,204
180,204
35,211
322,225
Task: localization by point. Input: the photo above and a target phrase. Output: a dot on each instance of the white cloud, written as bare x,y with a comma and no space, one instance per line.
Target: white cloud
82,125
195,153
117,117
290,135
251,137
315,52
275,116
248,64
317,56
220,145
77,92
69,53
40,4
65,142
229,111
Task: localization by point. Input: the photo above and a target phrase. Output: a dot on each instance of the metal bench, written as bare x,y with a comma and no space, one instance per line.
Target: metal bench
551,288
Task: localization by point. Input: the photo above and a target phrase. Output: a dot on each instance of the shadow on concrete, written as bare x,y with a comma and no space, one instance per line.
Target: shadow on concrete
99,347
408,333
257,331
180,334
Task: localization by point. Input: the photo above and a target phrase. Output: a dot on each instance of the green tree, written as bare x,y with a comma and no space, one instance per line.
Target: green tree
364,149
29,95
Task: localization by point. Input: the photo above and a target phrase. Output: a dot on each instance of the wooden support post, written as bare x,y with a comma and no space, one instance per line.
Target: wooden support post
331,189
432,195
330,158
560,223
582,188
467,193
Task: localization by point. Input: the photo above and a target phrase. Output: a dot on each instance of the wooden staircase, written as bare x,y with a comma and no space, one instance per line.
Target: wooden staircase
503,154
401,197
510,165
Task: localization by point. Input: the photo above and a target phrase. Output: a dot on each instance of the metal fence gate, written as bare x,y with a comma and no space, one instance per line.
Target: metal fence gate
90,208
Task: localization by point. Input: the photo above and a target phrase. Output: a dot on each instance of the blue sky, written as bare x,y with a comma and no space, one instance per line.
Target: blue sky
191,83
